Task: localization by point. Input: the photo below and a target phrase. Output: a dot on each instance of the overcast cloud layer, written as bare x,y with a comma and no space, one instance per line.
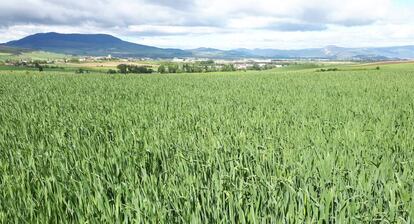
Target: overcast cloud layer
218,23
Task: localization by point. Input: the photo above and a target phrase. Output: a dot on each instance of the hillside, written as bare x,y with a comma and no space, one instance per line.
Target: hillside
12,50
103,44
328,52
93,45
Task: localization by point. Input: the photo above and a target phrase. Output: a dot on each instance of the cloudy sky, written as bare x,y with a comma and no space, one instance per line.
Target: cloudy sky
221,24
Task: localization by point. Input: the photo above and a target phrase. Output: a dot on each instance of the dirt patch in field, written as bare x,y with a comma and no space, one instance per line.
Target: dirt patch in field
110,64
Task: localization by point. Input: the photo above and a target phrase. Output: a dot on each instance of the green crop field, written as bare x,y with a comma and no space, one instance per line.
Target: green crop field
34,55
249,147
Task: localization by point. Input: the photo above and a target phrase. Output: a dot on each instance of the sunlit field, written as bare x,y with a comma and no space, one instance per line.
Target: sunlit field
239,147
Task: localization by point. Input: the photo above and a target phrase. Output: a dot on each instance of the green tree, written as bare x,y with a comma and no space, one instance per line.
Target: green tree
172,68
256,67
228,68
123,68
162,69
39,67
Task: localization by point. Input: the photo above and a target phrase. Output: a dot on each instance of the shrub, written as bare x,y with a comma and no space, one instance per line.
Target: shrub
81,71
111,71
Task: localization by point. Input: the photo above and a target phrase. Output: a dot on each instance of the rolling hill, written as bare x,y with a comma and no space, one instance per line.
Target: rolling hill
329,52
92,45
103,44
12,50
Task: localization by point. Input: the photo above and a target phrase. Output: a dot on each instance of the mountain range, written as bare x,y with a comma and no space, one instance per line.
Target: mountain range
92,45
103,44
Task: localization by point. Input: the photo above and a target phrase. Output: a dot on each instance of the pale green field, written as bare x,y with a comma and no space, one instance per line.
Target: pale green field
35,55
4,56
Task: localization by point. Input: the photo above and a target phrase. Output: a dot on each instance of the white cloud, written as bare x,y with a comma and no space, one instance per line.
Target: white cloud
217,23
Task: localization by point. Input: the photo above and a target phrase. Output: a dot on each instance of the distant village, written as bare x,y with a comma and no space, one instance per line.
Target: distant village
197,64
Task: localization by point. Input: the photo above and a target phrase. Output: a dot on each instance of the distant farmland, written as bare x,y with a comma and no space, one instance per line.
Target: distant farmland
284,146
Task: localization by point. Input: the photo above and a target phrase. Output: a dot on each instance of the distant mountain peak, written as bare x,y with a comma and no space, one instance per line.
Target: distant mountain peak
205,49
332,46
104,44
93,45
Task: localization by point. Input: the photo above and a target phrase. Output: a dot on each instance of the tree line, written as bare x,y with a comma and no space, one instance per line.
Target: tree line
197,67
125,69
173,68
